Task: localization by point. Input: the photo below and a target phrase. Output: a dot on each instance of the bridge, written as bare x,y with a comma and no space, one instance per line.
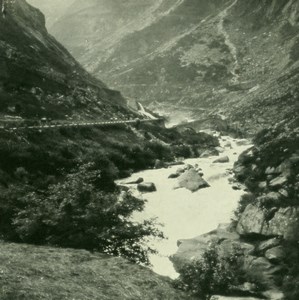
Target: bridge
75,124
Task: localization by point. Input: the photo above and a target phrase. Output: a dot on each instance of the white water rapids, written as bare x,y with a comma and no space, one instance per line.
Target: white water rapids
185,214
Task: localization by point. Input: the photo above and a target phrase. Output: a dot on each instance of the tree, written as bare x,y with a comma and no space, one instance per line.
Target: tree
77,213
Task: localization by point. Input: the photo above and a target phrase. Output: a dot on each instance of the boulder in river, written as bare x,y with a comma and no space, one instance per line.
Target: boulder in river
209,153
137,181
220,149
224,159
192,181
146,187
174,175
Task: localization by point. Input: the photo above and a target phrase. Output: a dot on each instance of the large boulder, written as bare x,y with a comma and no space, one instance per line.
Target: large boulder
278,181
275,254
262,270
251,221
268,244
283,222
224,159
192,249
146,187
192,181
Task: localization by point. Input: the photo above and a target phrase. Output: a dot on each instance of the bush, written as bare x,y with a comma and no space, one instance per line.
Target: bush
213,274
77,213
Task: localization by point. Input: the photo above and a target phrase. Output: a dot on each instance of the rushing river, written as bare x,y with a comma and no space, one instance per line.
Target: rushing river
185,214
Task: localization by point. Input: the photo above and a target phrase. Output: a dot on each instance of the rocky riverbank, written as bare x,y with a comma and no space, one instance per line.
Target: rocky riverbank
265,227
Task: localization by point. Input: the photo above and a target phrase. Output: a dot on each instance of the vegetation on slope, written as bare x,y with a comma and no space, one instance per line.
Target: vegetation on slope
35,273
57,186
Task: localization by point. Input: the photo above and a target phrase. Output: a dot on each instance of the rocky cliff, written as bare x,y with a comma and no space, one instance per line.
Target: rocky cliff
227,56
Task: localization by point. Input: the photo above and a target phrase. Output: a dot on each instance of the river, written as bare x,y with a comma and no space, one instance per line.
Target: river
185,214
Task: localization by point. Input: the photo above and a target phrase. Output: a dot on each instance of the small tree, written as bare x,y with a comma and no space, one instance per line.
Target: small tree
212,274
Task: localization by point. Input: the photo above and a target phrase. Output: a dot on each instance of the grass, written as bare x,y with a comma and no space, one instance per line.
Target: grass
31,273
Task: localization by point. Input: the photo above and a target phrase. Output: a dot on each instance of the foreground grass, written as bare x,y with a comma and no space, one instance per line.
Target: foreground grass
30,272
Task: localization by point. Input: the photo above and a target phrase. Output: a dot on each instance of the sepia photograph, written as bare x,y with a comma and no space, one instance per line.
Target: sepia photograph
149,149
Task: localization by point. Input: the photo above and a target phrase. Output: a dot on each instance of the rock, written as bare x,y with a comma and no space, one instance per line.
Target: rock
284,223
237,186
283,193
175,163
251,221
209,153
174,175
278,181
146,187
262,270
159,164
228,145
243,142
262,185
192,181
190,249
247,157
139,180
271,198
270,171
224,159
284,168
240,172
188,167
294,159
268,244
275,254
274,295
220,149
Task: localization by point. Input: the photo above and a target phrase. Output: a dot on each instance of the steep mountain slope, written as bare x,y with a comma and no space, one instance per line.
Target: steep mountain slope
215,55
39,78
40,81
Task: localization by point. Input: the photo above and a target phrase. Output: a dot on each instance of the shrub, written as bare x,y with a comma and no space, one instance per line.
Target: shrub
213,274
78,214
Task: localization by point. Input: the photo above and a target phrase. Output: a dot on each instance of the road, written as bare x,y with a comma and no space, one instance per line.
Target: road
78,124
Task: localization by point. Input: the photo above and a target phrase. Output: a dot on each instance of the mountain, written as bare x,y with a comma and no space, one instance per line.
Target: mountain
39,78
52,9
222,56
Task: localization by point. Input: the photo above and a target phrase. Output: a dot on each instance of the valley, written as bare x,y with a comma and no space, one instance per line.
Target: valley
149,149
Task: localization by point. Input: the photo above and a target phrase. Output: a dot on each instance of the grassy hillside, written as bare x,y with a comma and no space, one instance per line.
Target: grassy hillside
32,273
